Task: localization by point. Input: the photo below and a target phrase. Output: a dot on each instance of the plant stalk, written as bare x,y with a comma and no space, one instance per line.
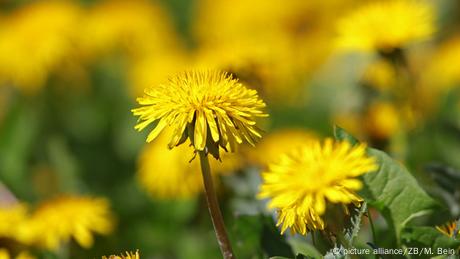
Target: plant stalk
214,210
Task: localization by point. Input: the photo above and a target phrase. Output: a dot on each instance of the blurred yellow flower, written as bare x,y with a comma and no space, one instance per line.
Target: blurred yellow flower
194,103
449,229
169,174
4,254
58,220
302,181
129,255
13,222
138,27
380,75
34,41
382,120
279,142
150,70
386,25
441,73
270,45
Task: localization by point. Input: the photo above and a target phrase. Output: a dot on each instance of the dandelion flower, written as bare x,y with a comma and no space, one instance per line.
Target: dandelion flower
129,255
13,222
36,40
386,25
60,219
196,104
302,182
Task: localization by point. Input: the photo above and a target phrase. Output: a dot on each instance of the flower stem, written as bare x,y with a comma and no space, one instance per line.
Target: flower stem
371,223
214,210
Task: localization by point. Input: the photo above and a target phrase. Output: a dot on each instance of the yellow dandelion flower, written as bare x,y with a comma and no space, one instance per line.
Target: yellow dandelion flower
34,41
13,222
60,219
302,182
168,174
385,25
441,74
273,48
138,27
279,142
129,255
449,229
197,102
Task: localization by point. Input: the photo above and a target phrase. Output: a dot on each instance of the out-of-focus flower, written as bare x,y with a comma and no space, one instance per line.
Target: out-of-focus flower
34,41
138,27
279,142
24,255
380,75
386,25
194,103
449,229
301,183
441,72
128,255
272,48
60,219
151,70
13,222
382,120
168,174
4,254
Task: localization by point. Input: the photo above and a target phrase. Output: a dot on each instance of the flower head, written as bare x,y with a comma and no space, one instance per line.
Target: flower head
129,255
60,219
385,25
35,41
301,182
197,104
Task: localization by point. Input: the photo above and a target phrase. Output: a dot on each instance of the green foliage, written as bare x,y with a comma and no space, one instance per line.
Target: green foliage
394,192
428,237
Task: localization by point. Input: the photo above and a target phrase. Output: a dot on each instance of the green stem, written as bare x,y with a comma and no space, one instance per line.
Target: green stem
371,222
214,210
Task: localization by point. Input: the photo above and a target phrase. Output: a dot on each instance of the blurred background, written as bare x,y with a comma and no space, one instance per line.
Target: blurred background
70,72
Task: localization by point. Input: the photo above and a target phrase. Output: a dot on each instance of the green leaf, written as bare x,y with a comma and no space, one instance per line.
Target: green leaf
428,237
394,191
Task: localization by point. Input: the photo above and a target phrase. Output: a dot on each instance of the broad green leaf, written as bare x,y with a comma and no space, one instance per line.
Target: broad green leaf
428,237
394,191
